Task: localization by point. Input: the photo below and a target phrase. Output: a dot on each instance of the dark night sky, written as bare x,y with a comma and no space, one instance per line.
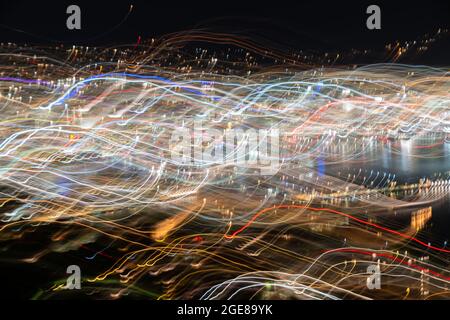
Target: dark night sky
300,24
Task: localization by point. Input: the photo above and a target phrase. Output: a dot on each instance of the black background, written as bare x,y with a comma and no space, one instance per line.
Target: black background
300,24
